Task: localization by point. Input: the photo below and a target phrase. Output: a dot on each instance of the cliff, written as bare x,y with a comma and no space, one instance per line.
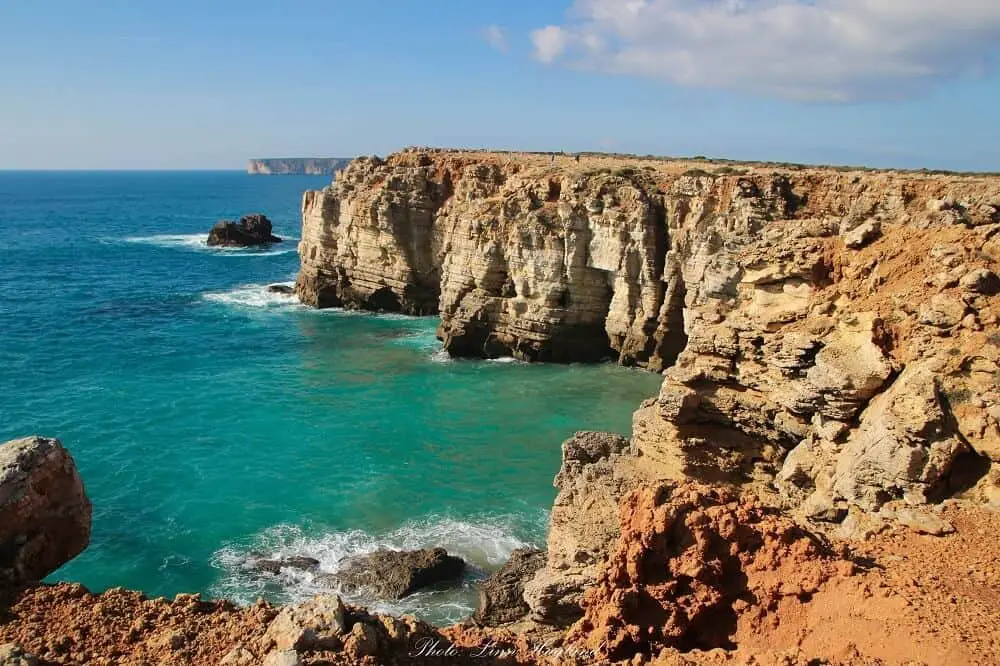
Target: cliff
829,338
311,166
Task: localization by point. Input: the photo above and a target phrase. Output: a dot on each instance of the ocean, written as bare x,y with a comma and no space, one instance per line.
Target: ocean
213,421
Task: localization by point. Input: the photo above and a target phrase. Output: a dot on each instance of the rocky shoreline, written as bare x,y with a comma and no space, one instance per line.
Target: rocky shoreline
822,460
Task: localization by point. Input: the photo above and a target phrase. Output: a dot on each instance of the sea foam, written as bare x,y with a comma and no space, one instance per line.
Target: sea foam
255,296
199,243
485,544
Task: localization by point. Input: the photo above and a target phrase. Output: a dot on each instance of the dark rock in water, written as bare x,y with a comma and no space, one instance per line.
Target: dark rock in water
391,574
501,596
249,231
280,289
275,566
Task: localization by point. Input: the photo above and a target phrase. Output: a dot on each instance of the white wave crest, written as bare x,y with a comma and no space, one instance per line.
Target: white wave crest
255,296
441,356
485,544
199,243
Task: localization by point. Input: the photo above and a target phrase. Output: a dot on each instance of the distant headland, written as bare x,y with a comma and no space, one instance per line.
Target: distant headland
310,166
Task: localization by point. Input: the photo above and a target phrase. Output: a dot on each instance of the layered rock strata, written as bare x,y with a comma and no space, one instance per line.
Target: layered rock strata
829,338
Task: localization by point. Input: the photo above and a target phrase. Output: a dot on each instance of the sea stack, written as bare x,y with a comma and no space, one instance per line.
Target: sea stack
249,231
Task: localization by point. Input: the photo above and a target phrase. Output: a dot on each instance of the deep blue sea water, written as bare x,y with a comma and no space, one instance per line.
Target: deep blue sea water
212,420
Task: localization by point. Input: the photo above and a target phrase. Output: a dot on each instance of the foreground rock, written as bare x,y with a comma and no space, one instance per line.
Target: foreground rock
249,231
393,574
688,559
685,552
501,596
44,512
597,471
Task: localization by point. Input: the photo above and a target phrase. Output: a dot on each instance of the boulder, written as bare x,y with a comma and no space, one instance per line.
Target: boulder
393,574
250,230
501,596
981,281
863,234
280,289
44,511
904,447
317,624
942,311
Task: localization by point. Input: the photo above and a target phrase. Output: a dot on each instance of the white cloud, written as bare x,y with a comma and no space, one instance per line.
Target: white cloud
832,50
550,42
495,37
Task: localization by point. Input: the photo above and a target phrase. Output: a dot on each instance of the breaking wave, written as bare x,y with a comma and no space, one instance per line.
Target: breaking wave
198,243
256,296
485,544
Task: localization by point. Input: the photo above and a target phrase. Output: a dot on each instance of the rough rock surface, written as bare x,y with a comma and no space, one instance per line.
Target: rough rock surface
66,624
501,596
44,512
939,595
394,574
275,565
689,560
250,230
597,471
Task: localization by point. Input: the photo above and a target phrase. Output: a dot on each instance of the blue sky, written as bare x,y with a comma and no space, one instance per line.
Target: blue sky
208,84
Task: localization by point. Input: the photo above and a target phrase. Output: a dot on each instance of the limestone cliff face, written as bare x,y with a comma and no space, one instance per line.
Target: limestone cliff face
829,338
285,166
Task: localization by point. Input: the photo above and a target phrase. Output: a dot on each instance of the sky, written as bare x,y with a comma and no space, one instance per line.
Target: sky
207,84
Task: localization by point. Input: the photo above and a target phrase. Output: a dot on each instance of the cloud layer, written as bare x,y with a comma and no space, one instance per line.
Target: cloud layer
827,50
495,36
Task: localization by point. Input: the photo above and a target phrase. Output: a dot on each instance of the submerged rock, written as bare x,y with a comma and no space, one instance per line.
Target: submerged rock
250,230
44,511
501,596
392,574
275,565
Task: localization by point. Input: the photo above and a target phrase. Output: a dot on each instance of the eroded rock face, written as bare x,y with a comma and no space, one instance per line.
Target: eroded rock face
689,560
568,261
44,512
598,469
501,596
250,230
392,574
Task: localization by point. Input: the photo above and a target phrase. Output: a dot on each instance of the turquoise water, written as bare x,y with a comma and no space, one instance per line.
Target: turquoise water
212,420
